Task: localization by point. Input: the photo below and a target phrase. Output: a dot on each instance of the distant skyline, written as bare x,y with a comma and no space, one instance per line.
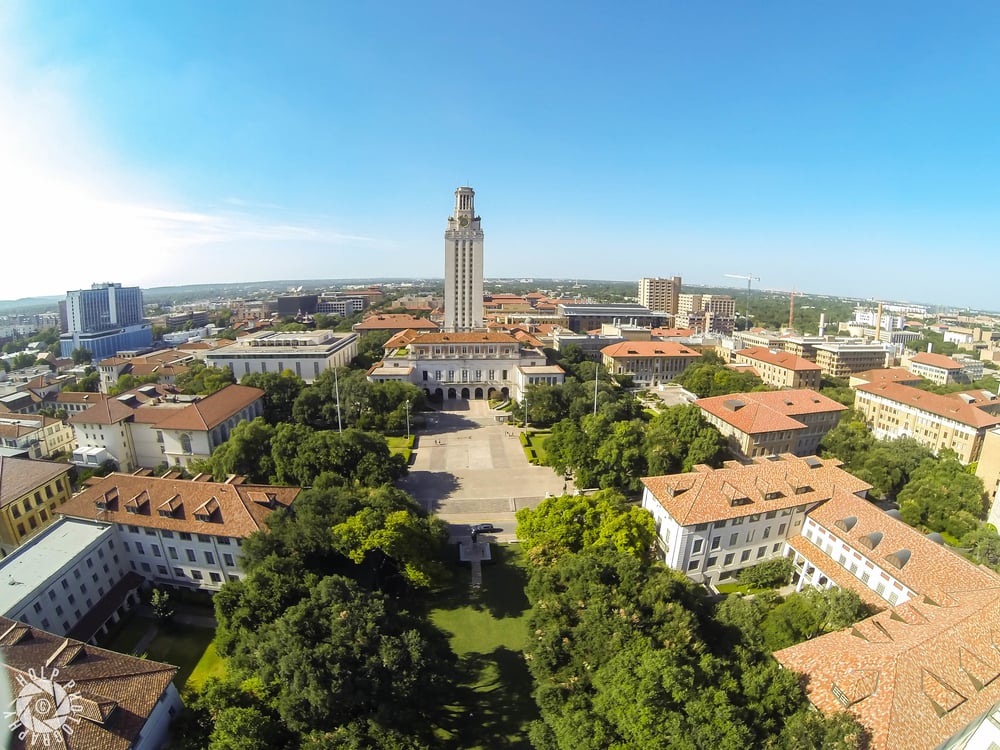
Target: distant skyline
849,149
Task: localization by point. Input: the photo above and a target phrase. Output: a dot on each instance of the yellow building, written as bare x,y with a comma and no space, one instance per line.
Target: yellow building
780,369
30,492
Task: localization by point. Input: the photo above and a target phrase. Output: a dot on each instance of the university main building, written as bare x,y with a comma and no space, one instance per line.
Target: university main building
465,360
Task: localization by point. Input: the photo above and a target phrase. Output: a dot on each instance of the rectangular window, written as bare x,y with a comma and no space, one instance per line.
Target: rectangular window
156,549
161,569
178,572
222,540
145,567
185,537
711,562
767,532
761,551
716,542
216,578
728,559
172,551
781,530
733,539
52,595
138,548
692,565
209,558
737,521
228,560
37,607
149,532
696,547
196,575
745,555
191,555
167,534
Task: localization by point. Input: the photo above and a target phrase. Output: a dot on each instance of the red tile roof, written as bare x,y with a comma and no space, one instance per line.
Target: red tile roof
394,322
707,495
887,374
768,411
635,349
950,406
783,359
117,693
936,360
237,510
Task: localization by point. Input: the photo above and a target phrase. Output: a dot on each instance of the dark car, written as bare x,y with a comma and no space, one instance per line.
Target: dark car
484,528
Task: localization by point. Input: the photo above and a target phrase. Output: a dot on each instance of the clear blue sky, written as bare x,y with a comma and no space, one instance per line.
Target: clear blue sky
849,147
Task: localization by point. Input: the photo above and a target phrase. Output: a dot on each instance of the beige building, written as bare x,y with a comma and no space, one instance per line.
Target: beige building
706,313
936,368
988,470
463,265
771,423
839,360
958,421
780,369
660,295
469,365
648,363
306,353
38,436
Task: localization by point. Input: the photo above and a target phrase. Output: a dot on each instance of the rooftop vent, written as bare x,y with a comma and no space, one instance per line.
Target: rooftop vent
136,504
169,507
206,510
936,538
813,463
898,558
846,524
871,541
733,404
894,513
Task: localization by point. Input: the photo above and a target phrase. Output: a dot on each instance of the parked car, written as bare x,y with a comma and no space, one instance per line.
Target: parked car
484,528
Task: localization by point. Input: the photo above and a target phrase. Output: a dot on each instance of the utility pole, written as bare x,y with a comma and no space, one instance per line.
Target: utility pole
336,385
407,420
749,278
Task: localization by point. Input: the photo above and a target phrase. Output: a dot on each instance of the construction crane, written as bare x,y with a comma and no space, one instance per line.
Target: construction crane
749,279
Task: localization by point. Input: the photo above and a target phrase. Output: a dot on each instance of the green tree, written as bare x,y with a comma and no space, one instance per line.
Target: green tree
163,606
280,391
849,441
942,496
246,453
571,523
89,383
81,356
203,380
679,438
767,574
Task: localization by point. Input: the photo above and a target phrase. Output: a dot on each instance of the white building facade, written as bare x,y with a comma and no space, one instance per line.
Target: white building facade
307,353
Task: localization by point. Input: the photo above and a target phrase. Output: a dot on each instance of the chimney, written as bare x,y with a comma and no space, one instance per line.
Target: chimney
878,322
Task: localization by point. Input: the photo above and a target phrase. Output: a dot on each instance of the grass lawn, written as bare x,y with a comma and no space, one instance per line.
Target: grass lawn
493,705
739,588
401,445
536,440
128,635
186,647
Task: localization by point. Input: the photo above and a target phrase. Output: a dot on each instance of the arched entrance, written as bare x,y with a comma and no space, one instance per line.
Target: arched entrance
493,394
479,392
439,394
451,393
465,393
505,391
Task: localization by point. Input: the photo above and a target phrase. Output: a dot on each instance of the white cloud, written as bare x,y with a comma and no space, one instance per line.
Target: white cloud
70,214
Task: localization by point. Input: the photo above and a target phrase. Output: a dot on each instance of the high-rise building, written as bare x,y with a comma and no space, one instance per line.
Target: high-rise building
706,313
660,295
104,319
463,265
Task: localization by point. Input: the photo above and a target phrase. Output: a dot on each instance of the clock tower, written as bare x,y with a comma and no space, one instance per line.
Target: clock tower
463,265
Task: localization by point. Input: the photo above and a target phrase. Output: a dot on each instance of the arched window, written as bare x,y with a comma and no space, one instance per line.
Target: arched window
186,443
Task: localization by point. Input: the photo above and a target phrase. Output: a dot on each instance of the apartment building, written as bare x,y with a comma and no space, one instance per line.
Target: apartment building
772,422
648,363
112,701
958,421
840,360
30,493
467,365
164,365
660,294
306,353
779,368
152,425
586,317
179,532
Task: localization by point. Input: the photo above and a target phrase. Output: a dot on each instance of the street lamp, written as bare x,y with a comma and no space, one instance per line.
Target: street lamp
525,413
407,419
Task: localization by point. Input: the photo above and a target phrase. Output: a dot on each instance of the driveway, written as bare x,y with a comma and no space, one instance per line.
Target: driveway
470,468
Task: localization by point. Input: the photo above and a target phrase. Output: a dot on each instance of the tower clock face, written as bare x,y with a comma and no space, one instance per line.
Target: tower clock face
463,221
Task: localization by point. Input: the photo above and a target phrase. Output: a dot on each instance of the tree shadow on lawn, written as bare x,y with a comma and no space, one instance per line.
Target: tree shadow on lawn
502,592
493,705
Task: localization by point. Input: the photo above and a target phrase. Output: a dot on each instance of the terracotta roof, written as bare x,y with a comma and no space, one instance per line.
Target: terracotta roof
950,406
707,495
936,360
768,411
914,675
394,321
464,338
887,375
235,510
117,693
629,349
212,410
783,359
841,577
19,476
931,569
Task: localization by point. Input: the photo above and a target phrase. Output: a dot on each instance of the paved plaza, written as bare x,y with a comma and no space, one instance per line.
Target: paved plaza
470,468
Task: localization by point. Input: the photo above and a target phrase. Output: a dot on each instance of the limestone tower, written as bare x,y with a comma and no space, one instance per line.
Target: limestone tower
463,265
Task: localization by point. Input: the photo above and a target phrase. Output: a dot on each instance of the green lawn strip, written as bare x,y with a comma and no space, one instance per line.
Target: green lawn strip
183,646
401,445
488,629
209,665
738,588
